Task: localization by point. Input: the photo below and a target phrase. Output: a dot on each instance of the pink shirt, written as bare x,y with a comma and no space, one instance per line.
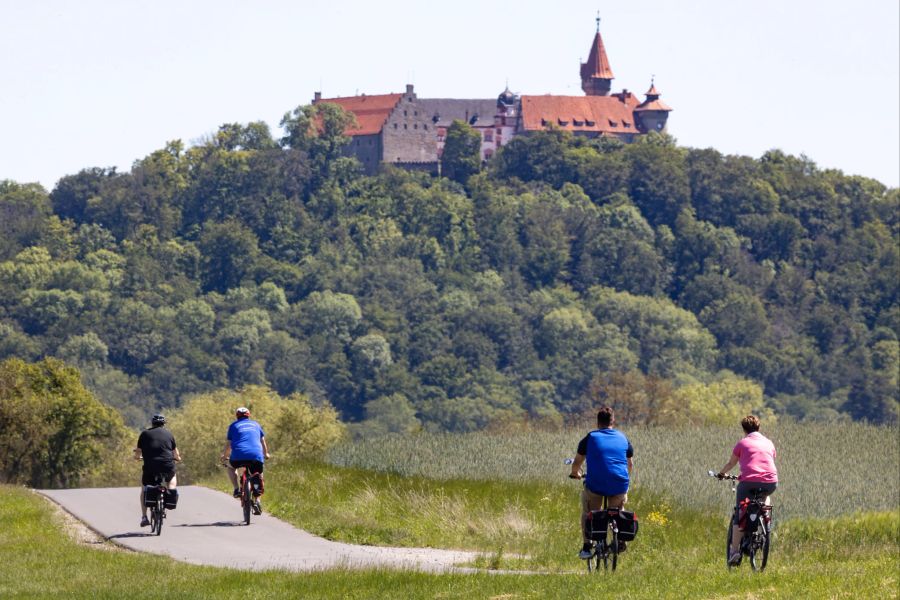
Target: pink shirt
756,455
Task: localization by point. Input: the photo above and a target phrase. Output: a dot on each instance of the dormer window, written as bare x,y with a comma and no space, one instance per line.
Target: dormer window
577,122
626,124
562,122
543,122
590,123
613,123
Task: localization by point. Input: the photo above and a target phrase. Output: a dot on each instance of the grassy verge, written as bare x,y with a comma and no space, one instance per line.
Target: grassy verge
675,557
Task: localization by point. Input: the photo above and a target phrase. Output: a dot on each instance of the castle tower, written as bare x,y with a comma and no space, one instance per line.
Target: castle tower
652,113
596,75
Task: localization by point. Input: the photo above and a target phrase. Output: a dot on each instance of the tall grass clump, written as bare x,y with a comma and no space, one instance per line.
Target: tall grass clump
824,469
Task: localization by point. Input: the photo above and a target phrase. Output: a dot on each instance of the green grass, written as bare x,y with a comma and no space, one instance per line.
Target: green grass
678,559
824,470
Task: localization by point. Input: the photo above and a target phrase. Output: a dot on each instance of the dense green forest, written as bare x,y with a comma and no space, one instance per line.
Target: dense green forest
676,283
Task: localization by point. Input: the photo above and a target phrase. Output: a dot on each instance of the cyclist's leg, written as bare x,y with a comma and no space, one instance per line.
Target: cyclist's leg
589,501
232,472
617,501
147,478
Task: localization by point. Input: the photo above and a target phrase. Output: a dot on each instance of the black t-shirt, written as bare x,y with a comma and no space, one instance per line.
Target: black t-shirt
158,447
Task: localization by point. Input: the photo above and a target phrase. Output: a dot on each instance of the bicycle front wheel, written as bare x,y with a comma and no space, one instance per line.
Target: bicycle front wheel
246,500
759,550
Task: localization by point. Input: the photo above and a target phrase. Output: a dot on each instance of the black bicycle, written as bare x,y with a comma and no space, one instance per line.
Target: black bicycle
756,517
155,500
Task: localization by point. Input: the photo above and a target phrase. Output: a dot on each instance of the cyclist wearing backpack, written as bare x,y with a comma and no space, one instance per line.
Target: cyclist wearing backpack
756,455
609,457
245,447
156,446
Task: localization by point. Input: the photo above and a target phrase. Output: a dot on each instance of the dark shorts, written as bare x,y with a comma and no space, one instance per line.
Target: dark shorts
255,466
744,490
148,476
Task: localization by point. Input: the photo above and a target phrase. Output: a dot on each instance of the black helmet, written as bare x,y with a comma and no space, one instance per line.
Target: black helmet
158,420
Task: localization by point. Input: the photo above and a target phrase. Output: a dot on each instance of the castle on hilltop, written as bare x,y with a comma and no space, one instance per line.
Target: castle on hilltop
408,131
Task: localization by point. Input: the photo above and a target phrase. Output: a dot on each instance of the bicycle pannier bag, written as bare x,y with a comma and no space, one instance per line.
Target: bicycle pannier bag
151,493
171,499
628,525
595,524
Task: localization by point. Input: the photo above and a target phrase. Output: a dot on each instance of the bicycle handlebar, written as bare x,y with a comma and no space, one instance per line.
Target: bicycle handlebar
722,477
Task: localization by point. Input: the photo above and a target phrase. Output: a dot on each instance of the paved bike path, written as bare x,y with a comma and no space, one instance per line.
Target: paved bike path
207,529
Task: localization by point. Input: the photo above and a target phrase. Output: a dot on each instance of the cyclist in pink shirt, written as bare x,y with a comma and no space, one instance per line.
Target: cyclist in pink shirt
756,455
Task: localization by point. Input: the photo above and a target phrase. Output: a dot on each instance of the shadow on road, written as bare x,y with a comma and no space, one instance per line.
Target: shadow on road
130,535
216,524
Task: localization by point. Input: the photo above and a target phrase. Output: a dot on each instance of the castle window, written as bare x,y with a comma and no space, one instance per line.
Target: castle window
405,126
415,113
395,126
488,136
503,120
415,125
425,126
405,114
488,154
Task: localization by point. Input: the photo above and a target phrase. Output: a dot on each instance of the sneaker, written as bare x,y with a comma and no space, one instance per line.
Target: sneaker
587,551
257,508
734,559
145,522
237,493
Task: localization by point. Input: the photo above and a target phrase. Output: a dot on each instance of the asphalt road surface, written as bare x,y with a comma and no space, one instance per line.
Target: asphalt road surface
207,528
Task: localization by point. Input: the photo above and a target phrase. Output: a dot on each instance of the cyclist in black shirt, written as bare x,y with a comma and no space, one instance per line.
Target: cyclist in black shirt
157,447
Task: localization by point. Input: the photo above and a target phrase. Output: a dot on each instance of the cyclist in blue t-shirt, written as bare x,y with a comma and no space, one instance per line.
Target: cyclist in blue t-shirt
245,447
609,457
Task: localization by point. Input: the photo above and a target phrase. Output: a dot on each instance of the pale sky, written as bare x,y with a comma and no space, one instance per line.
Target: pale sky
101,84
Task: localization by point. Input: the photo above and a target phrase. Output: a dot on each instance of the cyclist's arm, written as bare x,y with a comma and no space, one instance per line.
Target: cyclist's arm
630,467
226,451
265,446
177,455
730,464
137,454
576,466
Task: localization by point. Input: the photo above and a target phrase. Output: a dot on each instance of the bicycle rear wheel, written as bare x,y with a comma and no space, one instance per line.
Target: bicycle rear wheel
246,498
614,551
156,520
759,548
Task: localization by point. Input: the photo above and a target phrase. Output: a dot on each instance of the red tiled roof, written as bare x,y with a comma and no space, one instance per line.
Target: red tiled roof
601,114
653,102
653,105
597,64
371,111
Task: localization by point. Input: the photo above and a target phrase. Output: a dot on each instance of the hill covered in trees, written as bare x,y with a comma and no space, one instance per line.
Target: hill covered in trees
676,283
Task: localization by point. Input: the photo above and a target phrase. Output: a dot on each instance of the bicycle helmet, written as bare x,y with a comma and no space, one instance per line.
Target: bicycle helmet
242,412
158,420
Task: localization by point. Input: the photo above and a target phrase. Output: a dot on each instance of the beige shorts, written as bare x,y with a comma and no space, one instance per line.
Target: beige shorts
591,501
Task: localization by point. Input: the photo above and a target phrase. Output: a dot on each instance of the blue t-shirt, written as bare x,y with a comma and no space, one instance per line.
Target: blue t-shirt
246,437
607,452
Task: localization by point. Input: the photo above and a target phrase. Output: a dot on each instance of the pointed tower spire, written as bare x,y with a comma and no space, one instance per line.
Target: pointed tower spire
596,74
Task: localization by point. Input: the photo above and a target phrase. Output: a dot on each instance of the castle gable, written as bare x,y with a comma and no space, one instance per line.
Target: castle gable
371,111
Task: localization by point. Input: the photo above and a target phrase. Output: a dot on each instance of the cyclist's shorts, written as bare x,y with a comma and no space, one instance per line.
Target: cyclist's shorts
148,476
744,490
255,466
